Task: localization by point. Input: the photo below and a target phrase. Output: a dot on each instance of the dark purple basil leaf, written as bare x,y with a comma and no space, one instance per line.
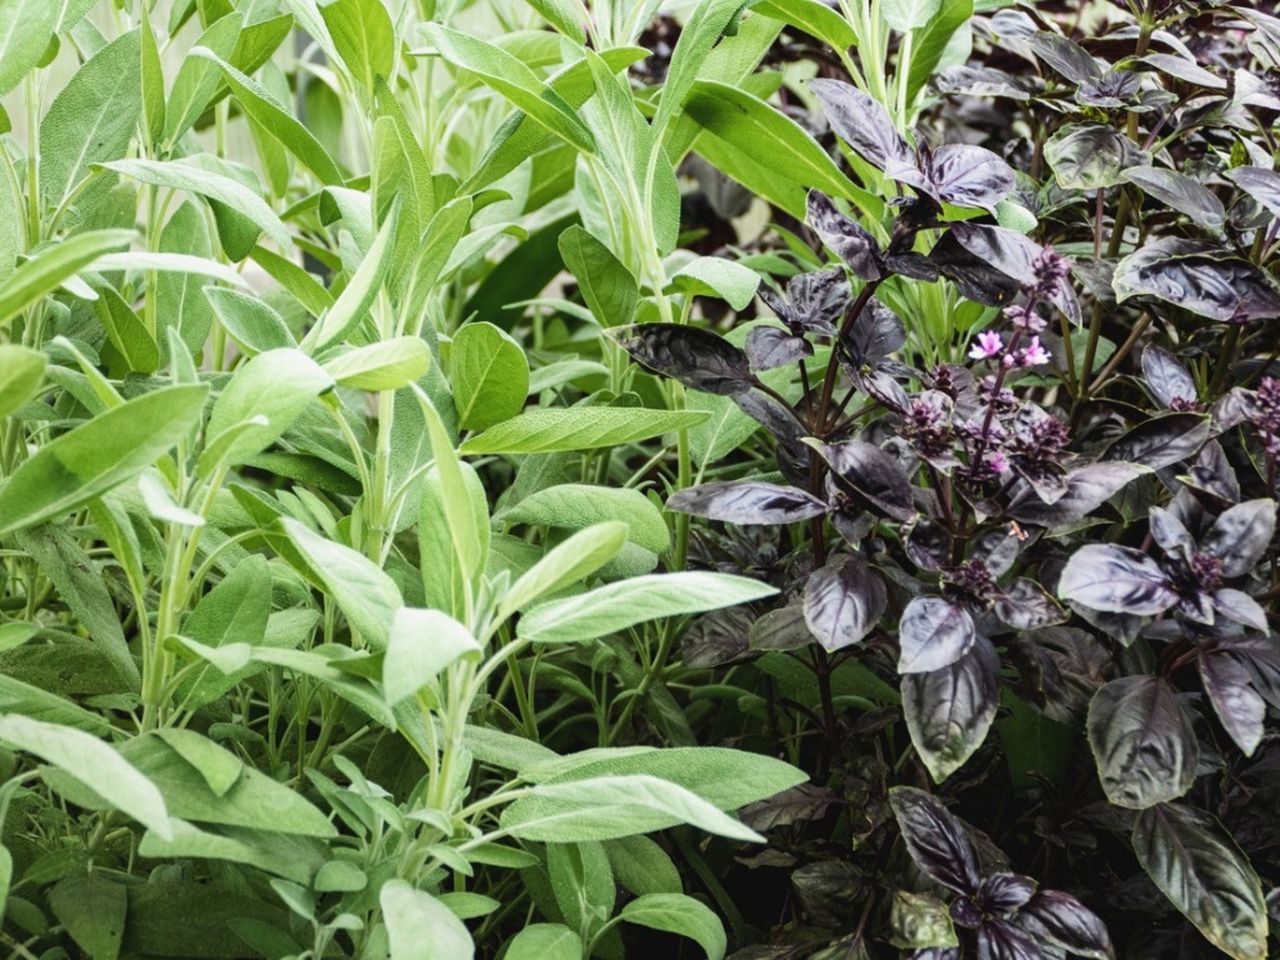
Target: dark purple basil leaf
1198,866
932,634
1198,277
1088,488
1047,479
1116,89
997,548
980,82
1197,605
950,711
819,298
718,638
1239,606
1001,940
1212,480
1167,378
748,502
1185,70
1005,892
881,386
1162,441
861,122
799,804
1260,183
875,334
843,602
1065,667
874,475
1240,536
912,265
1185,194
963,175
814,301
1261,657
1168,531
936,839
1113,579
1142,742
1231,409
1064,921
1238,705
774,417
779,304
770,347
974,277
1015,256
844,237
1090,156
1065,56
928,545
697,358
1025,606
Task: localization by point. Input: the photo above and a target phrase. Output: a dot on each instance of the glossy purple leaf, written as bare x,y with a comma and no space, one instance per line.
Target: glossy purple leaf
1162,441
1005,893
748,502
1239,606
697,358
1167,379
1142,742
1015,256
1202,871
861,122
1063,920
1240,536
963,175
936,839
873,474
950,711
1024,605
1103,576
844,237
843,602
1239,707
1198,277
1088,487
1001,940
770,347
932,634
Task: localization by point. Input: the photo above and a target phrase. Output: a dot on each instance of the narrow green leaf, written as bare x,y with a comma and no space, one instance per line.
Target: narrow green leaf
421,645
52,265
26,27
514,80
94,764
616,606
578,428
367,597
277,120
188,174
91,459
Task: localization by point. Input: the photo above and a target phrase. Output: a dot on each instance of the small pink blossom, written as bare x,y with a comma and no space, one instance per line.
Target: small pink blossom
1034,354
997,462
988,345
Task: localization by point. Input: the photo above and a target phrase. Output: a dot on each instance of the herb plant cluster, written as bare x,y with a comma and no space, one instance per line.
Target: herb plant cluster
552,480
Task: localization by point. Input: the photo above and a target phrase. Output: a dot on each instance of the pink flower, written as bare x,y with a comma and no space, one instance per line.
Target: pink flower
988,345
997,462
1034,354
